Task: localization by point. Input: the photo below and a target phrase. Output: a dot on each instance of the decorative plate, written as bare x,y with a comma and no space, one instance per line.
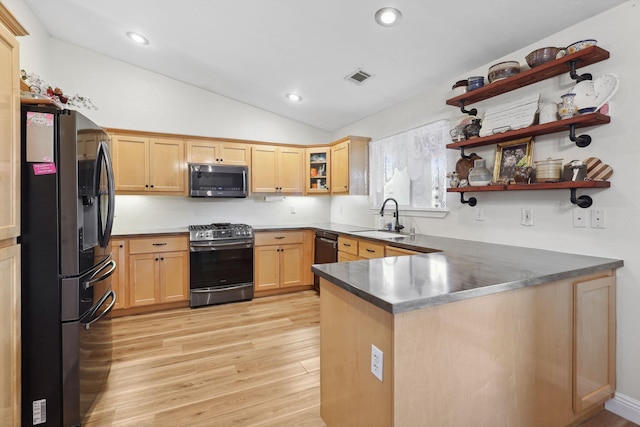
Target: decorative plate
595,93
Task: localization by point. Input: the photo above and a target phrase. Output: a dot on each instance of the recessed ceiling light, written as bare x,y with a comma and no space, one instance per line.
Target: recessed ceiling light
294,97
137,38
388,16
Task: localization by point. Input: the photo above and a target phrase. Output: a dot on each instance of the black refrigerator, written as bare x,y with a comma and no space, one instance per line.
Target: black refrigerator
67,205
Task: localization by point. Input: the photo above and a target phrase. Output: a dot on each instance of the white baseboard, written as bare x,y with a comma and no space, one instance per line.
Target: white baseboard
624,406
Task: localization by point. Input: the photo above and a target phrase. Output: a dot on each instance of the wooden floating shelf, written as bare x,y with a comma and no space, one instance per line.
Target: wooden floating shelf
581,121
553,68
533,186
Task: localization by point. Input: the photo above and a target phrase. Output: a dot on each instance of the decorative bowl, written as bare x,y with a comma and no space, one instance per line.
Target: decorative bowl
502,70
587,110
542,55
582,44
460,87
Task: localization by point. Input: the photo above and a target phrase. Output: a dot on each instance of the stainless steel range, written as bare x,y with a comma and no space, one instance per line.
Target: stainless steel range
221,263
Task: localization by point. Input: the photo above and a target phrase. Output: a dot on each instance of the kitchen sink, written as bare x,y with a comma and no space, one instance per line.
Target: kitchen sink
380,234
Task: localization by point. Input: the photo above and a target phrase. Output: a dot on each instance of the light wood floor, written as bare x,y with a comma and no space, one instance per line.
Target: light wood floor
245,364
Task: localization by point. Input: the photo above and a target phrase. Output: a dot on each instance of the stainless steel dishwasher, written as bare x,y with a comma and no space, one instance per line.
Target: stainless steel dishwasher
326,251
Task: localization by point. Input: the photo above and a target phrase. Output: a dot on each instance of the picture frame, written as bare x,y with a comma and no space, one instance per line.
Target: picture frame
508,154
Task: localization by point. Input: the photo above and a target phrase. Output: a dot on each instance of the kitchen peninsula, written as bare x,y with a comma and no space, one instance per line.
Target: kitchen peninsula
477,334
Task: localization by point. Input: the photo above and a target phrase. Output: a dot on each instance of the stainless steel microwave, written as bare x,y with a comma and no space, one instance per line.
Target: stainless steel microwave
218,180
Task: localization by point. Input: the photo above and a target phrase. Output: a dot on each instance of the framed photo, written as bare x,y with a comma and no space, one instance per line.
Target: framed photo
508,154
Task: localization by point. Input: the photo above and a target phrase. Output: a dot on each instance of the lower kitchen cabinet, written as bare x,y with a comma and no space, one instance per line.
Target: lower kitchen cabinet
282,260
594,341
151,273
394,251
10,334
541,355
157,278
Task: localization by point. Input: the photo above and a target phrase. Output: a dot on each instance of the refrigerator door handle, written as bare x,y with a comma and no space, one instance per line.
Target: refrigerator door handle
103,158
111,265
90,317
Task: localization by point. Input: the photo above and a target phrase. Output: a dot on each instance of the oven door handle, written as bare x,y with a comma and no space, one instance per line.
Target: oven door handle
220,288
201,247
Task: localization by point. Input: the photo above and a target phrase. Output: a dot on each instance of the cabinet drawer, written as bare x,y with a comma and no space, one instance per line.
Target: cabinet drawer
370,250
345,257
348,245
394,251
278,238
158,244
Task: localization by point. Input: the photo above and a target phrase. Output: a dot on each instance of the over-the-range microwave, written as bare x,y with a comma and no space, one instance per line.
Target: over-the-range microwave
218,180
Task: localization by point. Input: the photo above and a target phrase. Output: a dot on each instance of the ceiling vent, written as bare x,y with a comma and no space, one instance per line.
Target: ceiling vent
358,77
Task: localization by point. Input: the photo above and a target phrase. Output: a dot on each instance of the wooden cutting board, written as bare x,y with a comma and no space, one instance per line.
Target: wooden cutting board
596,170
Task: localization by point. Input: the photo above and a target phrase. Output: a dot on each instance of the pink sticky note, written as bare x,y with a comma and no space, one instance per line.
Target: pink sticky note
44,168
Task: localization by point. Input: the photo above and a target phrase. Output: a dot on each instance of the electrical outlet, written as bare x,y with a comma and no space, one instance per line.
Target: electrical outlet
479,212
579,218
293,209
597,218
377,360
527,217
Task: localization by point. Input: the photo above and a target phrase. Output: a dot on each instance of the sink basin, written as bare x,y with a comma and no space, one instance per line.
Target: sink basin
382,235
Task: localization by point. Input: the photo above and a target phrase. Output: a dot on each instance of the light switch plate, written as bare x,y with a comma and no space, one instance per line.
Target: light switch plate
579,218
597,218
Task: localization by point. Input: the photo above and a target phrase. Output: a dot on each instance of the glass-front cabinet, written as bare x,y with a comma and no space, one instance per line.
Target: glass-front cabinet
317,177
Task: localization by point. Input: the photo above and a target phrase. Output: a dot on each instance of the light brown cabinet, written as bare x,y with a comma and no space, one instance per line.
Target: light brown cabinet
395,251
350,249
158,269
318,170
556,338
276,169
594,341
350,166
9,218
9,135
149,165
282,259
10,334
218,152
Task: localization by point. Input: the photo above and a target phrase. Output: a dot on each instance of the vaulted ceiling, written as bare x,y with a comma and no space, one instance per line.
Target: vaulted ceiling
258,51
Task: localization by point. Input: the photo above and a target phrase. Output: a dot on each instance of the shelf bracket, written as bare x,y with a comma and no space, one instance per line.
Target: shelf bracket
471,202
472,112
467,157
575,76
582,201
582,140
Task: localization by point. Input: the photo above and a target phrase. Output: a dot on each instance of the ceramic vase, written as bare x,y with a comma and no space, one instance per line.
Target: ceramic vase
479,174
567,108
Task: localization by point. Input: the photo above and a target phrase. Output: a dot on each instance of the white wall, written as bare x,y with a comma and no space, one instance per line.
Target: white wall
616,144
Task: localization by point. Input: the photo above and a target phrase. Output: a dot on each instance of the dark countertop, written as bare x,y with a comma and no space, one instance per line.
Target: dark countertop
460,269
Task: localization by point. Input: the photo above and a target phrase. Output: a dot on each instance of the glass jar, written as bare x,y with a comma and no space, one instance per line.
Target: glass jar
479,174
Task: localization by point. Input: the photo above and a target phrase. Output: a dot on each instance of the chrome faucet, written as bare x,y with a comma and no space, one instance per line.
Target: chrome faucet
396,214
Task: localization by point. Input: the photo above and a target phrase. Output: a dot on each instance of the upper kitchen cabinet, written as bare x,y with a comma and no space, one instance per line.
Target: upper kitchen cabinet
317,170
149,165
349,166
218,152
276,169
10,129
